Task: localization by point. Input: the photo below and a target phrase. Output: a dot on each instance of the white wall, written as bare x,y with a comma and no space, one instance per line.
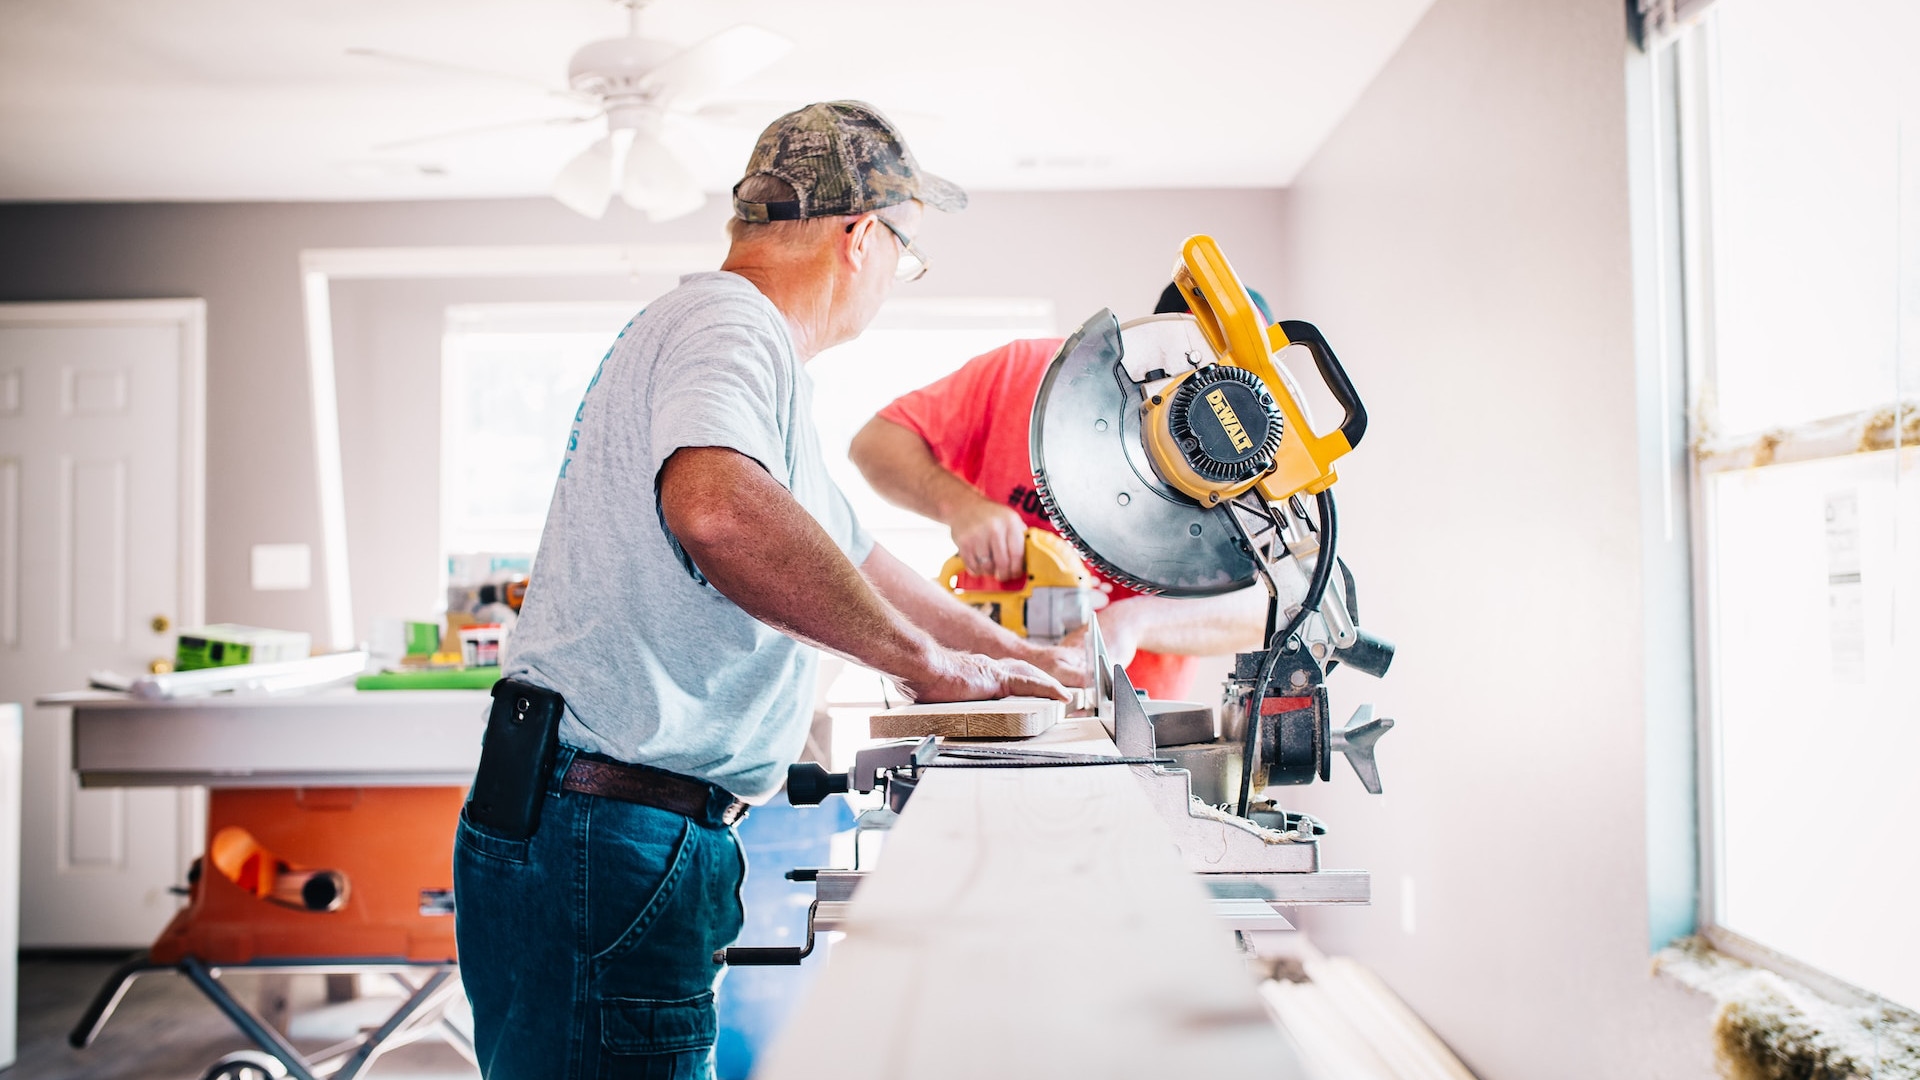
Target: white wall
1463,240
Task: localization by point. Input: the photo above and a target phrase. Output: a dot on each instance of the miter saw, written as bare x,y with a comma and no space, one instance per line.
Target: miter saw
1174,453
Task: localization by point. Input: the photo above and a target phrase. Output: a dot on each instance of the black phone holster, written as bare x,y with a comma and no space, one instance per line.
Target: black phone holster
516,759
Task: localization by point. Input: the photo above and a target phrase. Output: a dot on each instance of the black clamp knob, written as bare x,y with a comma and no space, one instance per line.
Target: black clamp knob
809,783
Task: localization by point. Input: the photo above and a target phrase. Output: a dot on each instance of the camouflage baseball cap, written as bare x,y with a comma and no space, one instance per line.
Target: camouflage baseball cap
840,157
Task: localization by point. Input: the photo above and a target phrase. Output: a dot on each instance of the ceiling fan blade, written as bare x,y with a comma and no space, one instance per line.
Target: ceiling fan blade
444,67
484,129
585,184
728,57
657,182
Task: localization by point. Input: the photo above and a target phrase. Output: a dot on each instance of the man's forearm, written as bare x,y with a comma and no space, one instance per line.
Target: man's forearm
764,552
935,610
1211,626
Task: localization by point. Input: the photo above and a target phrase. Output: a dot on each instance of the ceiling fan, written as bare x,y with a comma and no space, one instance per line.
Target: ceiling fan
641,86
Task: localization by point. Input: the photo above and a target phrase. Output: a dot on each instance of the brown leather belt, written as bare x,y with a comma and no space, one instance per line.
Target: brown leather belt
661,790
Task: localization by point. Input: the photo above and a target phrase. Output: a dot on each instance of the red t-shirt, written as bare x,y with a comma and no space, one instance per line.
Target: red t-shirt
976,422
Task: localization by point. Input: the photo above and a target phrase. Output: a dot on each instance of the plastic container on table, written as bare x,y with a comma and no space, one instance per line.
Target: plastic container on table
480,645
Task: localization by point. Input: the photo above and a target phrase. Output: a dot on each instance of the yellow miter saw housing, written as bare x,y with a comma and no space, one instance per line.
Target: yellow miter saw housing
1055,600
1220,429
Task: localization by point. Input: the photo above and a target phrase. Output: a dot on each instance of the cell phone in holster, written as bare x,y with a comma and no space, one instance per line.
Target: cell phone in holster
516,759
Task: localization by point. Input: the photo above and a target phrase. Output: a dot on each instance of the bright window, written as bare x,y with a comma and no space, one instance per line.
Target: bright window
1802,156
511,378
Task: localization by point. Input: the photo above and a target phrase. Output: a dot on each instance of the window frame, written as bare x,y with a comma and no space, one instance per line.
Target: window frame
1710,452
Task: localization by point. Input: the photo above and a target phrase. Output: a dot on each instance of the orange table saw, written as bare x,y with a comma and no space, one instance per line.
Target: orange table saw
330,822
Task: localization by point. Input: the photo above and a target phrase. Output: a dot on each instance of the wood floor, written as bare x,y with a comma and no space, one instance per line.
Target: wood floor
166,1030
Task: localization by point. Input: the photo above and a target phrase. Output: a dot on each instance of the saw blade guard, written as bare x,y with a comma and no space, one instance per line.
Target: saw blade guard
1098,484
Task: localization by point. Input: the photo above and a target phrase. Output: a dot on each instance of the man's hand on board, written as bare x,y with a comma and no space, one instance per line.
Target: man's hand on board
1067,662
962,676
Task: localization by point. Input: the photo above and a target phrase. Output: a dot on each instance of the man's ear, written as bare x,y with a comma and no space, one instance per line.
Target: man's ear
857,247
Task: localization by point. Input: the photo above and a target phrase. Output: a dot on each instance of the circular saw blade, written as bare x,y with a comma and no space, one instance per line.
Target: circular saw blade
1091,468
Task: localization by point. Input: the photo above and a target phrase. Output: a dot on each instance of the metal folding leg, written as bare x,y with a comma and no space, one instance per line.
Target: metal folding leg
421,1014
108,999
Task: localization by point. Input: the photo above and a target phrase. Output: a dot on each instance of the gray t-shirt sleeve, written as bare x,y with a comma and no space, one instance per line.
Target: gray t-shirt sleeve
726,386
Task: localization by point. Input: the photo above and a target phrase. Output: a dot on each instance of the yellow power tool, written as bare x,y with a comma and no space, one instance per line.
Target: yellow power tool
1055,600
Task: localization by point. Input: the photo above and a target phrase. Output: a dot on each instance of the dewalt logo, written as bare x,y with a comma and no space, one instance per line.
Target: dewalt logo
1228,421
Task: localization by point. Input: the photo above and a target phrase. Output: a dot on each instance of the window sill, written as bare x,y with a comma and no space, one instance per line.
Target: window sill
1778,1019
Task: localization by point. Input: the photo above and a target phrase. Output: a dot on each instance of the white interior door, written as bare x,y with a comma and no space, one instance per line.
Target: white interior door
100,430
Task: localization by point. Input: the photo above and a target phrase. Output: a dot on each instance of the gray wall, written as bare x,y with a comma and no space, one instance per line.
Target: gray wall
1464,240
1083,251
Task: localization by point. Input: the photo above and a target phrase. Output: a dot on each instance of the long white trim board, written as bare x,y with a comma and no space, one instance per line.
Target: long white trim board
1032,923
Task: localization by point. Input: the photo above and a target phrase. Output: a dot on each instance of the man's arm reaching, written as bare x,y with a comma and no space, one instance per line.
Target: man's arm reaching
764,552
992,543
1209,626
991,538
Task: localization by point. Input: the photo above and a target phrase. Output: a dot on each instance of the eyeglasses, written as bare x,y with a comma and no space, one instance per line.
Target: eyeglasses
913,261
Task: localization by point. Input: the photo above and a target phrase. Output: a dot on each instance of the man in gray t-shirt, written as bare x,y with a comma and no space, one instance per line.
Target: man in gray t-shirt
658,666
696,558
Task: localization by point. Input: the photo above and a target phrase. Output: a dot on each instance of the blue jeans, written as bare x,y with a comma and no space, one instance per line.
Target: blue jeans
587,949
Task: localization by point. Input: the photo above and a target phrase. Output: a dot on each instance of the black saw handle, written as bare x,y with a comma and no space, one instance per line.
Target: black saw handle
1353,423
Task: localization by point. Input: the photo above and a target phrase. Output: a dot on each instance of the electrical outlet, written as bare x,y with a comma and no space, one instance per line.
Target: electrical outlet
282,567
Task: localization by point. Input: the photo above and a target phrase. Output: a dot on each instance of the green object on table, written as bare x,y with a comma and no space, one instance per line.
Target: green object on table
423,638
478,678
228,644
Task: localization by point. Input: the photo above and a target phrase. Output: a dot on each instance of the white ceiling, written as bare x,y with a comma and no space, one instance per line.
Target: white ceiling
258,99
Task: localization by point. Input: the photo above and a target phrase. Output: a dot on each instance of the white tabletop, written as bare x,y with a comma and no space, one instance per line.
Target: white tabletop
339,738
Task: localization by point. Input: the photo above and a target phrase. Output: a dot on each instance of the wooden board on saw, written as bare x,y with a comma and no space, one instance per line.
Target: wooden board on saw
1007,718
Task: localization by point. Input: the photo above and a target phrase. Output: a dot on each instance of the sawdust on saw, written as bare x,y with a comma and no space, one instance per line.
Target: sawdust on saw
1202,809
1771,1028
